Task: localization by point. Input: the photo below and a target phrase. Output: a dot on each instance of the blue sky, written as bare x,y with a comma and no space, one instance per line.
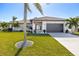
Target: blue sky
65,10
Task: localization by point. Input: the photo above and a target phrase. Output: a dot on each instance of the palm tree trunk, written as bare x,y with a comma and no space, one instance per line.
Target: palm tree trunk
76,29
25,18
13,25
73,29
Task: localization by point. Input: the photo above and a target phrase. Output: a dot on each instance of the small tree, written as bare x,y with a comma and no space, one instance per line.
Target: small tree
16,24
73,22
4,24
13,18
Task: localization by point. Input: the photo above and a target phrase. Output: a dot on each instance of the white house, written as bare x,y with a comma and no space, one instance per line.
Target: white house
49,24
41,24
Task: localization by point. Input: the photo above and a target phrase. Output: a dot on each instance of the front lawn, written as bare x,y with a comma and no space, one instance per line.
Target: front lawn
76,33
43,45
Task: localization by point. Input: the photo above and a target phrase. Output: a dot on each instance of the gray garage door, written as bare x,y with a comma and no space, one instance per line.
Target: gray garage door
54,27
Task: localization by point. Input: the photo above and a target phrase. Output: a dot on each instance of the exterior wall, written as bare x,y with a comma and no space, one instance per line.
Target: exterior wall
44,24
21,27
33,27
18,28
54,22
65,28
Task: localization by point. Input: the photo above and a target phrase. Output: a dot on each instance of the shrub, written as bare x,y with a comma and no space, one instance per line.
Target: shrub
44,31
10,29
5,30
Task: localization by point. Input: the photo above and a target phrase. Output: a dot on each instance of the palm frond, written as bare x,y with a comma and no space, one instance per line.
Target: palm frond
72,22
67,19
67,24
28,8
70,26
14,17
38,6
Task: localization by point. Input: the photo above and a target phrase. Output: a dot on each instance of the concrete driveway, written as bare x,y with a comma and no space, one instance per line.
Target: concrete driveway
71,42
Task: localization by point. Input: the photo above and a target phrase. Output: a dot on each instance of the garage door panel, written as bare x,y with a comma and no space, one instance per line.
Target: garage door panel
54,27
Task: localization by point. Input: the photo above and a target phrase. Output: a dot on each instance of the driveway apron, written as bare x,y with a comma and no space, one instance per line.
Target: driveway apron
70,41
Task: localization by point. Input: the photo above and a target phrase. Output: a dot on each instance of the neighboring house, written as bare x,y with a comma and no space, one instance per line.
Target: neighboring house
21,24
49,24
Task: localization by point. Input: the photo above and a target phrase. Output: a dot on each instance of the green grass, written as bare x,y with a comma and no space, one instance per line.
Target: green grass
43,45
76,33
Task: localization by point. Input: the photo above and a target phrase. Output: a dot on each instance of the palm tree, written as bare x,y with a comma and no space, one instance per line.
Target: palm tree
13,18
26,9
73,22
4,25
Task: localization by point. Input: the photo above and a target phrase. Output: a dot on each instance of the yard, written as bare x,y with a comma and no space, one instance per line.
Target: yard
43,45
76,33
